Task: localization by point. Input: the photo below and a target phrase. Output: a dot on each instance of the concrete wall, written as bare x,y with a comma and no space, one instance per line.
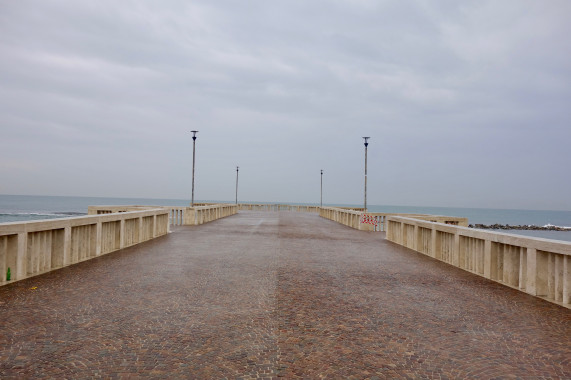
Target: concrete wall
539,267
33,248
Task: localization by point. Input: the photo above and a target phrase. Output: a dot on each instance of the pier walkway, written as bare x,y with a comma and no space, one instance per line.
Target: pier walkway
276,294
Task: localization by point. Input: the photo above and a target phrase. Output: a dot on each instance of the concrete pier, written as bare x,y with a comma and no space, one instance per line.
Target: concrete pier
276,294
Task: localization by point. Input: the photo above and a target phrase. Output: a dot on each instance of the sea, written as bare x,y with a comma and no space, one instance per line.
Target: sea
19,208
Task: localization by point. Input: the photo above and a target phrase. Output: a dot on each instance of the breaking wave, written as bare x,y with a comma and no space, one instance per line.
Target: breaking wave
58,213
9,217
550,226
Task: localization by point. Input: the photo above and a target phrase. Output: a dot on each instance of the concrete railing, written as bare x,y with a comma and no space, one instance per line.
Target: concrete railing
178,216
205,214
381,219
540,267
177,213
277,207
33,248
344,216
98,210
376,221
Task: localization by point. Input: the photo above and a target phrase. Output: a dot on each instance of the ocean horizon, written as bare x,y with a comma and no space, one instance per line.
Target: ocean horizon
21,208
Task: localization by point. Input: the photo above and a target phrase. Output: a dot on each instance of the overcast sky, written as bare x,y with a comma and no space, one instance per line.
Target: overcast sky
468,103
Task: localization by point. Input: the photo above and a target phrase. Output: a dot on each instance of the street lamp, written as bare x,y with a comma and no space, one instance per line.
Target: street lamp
366,145
321,202
237,167
193,159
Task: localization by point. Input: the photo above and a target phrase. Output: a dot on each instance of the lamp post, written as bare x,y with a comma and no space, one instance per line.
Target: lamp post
321,202
366,145
237,167
193,159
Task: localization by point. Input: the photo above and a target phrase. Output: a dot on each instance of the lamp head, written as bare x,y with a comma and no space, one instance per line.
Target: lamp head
194,135
366,141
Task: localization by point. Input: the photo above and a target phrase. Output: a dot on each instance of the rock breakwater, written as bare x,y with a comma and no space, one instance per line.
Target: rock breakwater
519,227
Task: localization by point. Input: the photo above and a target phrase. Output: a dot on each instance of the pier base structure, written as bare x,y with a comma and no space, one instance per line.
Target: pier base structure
539,267
360,305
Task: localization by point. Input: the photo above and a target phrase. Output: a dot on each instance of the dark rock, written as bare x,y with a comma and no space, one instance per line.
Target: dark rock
517,227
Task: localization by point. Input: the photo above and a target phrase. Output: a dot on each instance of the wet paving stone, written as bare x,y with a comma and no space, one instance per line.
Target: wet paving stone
266,295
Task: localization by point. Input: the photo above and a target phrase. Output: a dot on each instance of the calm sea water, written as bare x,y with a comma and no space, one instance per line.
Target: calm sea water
15,208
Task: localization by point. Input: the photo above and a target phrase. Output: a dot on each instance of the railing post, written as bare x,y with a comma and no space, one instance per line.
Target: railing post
566,280
510,267
140,229
21,259
532,286
551,275
98,238
122,234
488,259
457,248
522,268
433,242
558,277
155,225
66,246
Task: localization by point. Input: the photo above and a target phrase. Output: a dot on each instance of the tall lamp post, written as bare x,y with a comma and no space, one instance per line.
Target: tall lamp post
366,145
321,202
193,159
237,167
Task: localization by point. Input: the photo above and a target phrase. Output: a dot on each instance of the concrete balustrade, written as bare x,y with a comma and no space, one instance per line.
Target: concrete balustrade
277,207
177,213
381,218
32,248
539,267
178,216
376,221
205,214
344,216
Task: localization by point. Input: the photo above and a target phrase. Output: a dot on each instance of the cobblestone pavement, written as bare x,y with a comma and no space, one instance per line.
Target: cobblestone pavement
267,295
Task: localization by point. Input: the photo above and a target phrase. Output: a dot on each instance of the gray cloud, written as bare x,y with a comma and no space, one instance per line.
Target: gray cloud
466,103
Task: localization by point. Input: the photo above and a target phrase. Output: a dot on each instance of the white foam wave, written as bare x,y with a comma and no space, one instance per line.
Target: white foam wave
61,213
28,214
548,225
